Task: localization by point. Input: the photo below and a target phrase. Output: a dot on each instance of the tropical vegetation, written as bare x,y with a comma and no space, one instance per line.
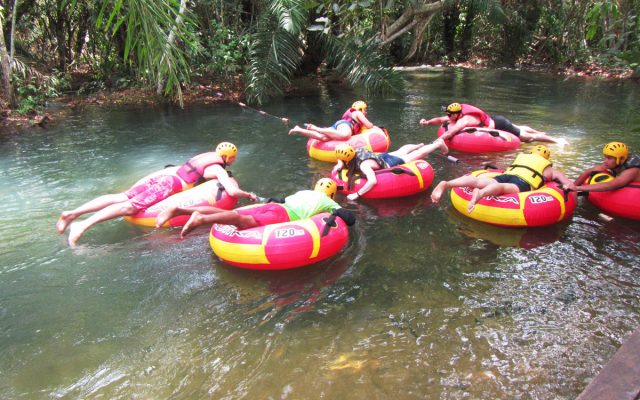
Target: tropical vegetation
48,47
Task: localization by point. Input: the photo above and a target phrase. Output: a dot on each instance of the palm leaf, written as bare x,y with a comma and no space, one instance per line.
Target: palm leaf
276,50
362,64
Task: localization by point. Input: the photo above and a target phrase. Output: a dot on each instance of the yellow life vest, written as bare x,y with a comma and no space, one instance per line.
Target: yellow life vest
529,167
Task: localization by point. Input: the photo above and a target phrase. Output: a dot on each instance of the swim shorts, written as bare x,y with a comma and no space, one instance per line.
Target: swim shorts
340,122
266,214
515,180
390,160
153,190
504,124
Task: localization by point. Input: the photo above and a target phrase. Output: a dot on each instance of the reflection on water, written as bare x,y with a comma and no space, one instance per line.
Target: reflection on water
421,301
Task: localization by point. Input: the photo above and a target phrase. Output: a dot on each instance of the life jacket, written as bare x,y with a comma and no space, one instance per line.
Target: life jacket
529,167
193,170
356,126
632,162
353,167
485,119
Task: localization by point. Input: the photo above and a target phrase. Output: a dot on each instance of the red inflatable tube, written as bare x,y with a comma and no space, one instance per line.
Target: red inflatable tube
402,180
623,202
481,140
280,246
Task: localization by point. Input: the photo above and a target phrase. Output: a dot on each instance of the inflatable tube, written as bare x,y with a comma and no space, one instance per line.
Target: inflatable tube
481,140
545,206
623,202
205,194
402,180
375,139
279,246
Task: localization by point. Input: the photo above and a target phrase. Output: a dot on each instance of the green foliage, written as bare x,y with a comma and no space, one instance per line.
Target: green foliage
276,51
220,52
149,26
33,89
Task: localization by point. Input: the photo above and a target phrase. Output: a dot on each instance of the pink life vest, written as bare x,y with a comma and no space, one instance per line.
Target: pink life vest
193,170
485,119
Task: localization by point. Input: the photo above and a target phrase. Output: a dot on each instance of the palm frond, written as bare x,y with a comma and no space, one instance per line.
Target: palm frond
362,64
149,24
276,50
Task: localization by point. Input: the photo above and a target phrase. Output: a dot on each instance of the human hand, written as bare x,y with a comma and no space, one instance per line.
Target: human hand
353,196
424,122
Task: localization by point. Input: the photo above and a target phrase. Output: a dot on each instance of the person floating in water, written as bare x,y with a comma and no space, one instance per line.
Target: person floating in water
527,172
351,123
365,162
154,188
617,163
462,116
300,205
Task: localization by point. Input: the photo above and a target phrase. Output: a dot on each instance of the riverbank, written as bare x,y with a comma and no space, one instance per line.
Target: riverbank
208,93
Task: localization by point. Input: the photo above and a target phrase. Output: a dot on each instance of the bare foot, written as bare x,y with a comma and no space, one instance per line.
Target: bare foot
295,129
164,216
442,146
473,201
75,232
194,220
65,219
437,192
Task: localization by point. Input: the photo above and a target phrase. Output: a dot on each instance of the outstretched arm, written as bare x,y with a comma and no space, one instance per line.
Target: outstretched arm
626,177
433,121
552,174
230,186
370,174
586,174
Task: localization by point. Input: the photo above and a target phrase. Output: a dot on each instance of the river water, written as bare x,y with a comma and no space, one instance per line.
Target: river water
422,303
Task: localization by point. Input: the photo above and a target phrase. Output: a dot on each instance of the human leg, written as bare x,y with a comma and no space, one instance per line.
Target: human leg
173,211
425,149
309,133
527,136
492,189
77,229
225,217
467,180
406,149
66,217
341,130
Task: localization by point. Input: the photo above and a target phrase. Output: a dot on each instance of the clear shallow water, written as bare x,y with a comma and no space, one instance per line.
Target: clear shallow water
422,303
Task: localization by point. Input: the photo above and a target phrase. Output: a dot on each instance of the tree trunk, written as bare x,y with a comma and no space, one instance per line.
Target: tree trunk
6,71
411,17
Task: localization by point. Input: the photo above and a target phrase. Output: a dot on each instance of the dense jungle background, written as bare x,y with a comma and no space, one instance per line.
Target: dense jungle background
254,49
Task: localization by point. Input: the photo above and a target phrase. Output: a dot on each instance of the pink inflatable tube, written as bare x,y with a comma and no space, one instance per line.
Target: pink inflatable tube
623,202
481,140
402,180
280,246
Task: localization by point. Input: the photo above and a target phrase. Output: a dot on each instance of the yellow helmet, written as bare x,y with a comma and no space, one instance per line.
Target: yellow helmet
227,149
618,150
542,151
345,152
454,108
326,186
359,105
